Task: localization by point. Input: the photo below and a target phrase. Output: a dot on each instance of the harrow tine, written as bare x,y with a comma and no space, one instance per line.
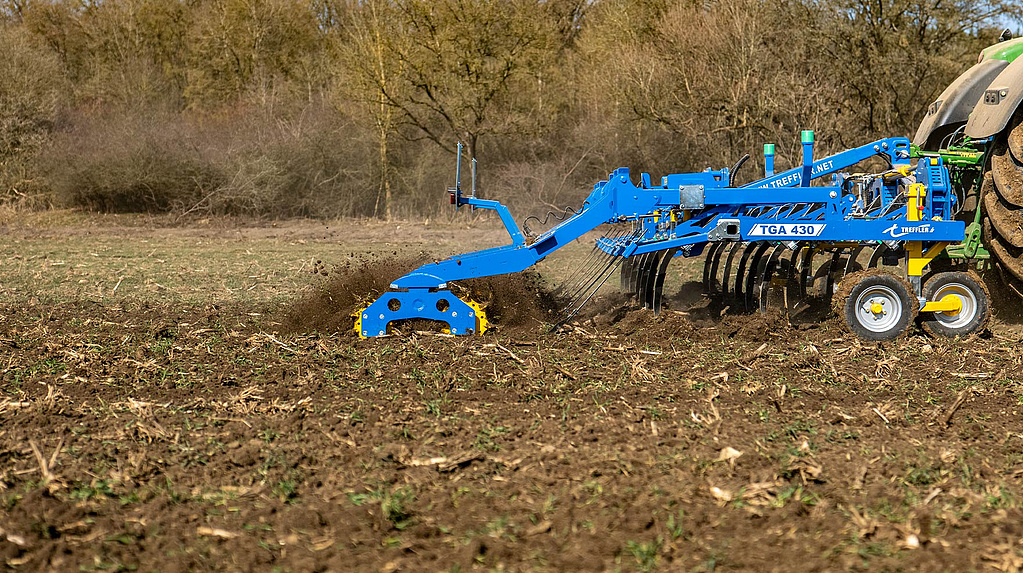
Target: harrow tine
662,270
595,285
592,263
592,282
580,271
587,280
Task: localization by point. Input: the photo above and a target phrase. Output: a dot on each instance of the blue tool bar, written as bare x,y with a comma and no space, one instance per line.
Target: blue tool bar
618,200
895,149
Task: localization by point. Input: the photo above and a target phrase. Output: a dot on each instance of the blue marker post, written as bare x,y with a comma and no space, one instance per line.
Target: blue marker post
807,138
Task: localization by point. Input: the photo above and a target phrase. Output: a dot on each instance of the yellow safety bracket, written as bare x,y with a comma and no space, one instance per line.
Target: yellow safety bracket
949,304
357,315
918,259
482,324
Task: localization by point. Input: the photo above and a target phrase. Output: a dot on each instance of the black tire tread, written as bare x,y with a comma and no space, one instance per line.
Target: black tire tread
848,285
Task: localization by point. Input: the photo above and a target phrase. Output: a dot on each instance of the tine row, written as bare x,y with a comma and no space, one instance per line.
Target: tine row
795,277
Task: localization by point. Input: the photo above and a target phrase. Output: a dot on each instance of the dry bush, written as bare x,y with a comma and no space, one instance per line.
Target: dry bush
247,161
128,161
309,163
31,97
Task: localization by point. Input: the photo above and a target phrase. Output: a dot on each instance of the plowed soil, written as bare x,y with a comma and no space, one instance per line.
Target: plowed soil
254,432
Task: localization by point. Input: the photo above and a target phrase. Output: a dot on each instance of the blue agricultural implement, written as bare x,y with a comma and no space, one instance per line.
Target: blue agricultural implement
777,241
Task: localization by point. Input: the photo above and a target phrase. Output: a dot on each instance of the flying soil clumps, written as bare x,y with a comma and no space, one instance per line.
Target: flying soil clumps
516,303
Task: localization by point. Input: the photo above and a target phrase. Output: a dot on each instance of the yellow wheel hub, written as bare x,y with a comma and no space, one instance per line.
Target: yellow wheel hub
949,305
876,308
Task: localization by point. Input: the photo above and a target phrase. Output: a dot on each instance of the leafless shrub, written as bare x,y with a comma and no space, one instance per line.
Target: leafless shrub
31,96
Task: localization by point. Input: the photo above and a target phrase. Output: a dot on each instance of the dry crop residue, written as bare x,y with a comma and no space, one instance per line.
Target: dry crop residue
210,437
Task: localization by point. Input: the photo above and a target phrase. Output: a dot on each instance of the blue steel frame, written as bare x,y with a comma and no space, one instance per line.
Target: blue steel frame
687,211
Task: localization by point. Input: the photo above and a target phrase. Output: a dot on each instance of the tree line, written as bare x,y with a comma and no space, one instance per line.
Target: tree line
339,108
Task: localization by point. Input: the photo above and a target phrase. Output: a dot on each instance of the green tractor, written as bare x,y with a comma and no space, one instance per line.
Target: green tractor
976,126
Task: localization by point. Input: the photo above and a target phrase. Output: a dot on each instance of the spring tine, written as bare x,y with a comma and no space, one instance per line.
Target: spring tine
727,274
662,270
834,267
710,262
641,285
637,274
757,268
852,264
639,277
740,273
624,274
757,296
715,268
876,255
794,293
792,289
776,269
806,271
651,279
634,275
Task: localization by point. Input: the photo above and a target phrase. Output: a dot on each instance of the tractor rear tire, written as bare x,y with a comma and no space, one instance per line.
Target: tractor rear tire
1002,198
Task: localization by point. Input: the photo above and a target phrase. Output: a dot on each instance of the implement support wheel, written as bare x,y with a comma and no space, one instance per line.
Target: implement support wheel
877,305
973,302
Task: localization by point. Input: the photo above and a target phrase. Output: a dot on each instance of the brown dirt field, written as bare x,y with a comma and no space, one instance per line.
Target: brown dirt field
208,430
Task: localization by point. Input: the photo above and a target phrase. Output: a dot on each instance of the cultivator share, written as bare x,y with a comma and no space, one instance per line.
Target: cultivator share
883,248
